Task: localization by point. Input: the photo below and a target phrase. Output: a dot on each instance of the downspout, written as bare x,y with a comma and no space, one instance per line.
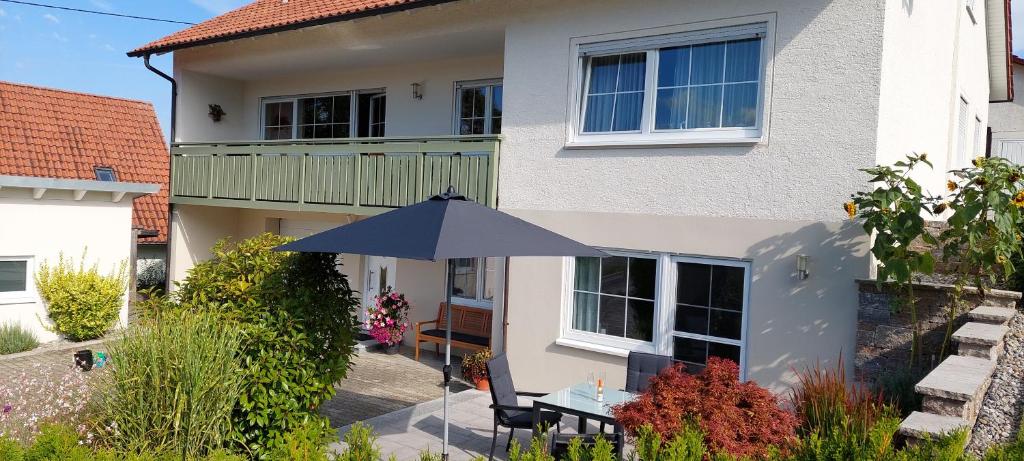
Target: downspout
174,123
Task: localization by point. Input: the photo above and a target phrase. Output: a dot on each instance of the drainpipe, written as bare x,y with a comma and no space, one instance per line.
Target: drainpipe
174,123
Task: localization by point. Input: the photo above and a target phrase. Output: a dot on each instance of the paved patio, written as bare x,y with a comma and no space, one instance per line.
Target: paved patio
407,432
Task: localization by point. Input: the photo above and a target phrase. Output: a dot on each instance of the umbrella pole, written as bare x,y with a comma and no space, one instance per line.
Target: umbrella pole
447,351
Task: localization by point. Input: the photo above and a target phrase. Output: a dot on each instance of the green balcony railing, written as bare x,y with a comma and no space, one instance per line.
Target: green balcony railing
362,176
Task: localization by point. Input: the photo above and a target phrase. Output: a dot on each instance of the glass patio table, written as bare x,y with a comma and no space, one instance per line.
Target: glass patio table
580,400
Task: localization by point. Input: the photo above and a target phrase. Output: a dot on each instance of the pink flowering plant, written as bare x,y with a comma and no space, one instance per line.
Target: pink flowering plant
44,394
388,317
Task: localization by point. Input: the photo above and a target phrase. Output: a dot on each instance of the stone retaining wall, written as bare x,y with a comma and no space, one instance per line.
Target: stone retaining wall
884,337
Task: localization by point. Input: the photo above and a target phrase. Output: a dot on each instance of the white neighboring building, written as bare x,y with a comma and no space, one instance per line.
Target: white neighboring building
1006,121
41,218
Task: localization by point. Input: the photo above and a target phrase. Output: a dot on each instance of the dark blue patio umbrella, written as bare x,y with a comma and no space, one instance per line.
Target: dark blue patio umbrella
443,227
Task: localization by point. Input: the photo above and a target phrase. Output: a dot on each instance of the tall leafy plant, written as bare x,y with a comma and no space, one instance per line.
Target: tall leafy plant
893,212
82,302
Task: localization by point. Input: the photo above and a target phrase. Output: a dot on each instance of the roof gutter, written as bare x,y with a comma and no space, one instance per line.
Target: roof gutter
287,27
174,92
170,165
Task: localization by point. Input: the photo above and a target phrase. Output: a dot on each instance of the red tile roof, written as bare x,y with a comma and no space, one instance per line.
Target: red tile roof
268,16
65,135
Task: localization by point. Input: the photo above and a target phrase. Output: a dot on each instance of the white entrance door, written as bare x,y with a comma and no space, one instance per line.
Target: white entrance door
380,274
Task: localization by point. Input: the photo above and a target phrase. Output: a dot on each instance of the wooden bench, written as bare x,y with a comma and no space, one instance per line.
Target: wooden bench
471,329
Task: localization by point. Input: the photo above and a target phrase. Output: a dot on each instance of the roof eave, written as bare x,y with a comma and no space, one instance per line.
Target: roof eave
286,27
133,189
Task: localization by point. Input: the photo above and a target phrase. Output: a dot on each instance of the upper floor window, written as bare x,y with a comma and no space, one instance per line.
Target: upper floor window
478,107
338,115
701,85
104,173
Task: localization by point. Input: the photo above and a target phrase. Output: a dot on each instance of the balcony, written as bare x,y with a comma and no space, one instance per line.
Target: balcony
359,176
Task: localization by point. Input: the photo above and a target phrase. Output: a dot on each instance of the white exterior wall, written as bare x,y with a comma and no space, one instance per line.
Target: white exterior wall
43,229
932,54
1007,118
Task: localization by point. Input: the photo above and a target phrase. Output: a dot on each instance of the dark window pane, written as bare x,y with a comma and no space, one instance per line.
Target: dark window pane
307,132
478,126
725,351
628,111
466,102
743,59
640,320
670,110
322,131
632,70
496,101
694,284
613,315
285,118
708,63
599,113
603,73
324,107
705,107
270,133
479,102
727,287
496,126
466,126
587,272
674,66
691,319
726,324
342,110
613,275
271,113
341,131
584,317
691,351
643,275
307,111
739,107
13,276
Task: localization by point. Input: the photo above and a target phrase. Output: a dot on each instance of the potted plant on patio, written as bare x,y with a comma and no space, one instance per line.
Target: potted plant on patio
387,319
474,369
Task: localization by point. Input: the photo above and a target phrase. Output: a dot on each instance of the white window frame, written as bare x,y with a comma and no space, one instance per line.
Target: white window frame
481,275
29,294
664,309
979,137
294,99
962,130
649,41
488,84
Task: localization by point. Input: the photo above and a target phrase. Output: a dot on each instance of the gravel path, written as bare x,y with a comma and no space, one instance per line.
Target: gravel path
1000,414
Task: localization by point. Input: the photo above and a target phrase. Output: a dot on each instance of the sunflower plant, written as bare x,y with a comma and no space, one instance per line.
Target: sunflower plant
893,212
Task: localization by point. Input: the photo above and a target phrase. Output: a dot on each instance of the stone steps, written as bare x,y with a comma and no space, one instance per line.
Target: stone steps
981,340
920,425
956,387
995,315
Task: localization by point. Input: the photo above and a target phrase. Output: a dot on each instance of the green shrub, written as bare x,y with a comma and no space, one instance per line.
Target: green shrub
296,312
58,443
306,443
14,339
82,303
11,450
361,444
173,387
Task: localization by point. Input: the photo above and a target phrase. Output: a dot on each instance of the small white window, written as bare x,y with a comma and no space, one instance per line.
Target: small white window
703,85
979,137
962,156
686,307
478,107
15,279
474,281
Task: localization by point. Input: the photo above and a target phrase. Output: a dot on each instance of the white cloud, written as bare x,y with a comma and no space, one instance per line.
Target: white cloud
102,4
219,6
59,37
108,47
51,18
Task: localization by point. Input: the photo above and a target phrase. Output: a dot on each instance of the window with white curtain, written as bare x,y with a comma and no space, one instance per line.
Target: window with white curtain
693,85
690,308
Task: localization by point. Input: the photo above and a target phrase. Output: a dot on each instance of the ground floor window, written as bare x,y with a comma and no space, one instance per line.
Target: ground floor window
474,280
687,307
14,277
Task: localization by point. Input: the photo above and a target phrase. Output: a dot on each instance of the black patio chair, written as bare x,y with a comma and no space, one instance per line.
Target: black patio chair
505,402
641,367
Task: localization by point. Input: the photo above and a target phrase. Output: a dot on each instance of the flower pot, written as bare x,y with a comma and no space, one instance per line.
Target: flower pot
483,385
83,359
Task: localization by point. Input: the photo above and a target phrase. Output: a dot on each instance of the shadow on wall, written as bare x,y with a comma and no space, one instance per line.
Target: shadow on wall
797,323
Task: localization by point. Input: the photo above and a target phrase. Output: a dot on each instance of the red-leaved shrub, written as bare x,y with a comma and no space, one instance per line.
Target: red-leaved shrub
741,419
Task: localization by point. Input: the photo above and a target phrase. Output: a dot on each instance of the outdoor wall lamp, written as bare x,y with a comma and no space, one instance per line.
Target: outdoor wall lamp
417,90
801,267
216,112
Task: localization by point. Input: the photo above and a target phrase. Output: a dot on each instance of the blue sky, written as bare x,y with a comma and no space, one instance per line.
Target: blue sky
85,52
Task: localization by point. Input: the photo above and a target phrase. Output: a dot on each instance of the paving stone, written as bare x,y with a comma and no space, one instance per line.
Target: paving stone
957,378
920,425
992,314
985,334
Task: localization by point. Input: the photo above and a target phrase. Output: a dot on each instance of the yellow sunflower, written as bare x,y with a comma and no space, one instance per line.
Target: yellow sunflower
950,185
1018,200
978,161
851,209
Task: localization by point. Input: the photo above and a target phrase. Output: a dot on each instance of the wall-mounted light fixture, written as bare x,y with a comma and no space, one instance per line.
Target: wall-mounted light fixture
801,267
216,112
417,90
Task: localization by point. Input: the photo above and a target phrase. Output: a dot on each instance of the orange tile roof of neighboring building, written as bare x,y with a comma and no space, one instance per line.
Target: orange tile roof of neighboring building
65,135
268,16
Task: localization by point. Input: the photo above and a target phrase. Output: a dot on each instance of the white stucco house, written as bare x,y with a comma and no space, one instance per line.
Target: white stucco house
707,145
71,168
